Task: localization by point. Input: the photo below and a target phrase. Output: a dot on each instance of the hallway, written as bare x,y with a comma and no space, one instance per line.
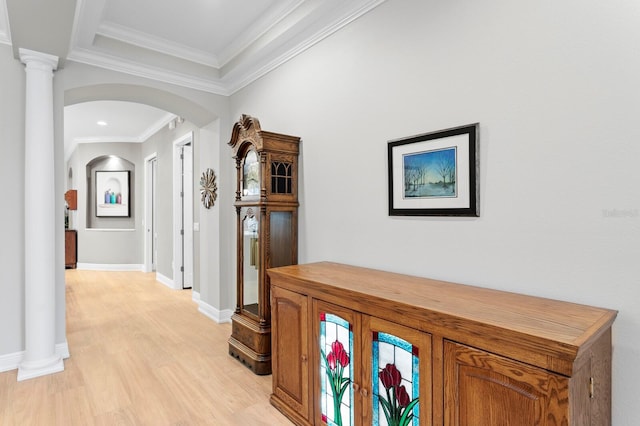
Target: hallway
141,354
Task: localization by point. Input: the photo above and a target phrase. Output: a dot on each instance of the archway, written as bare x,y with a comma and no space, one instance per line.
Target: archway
179,105
167,101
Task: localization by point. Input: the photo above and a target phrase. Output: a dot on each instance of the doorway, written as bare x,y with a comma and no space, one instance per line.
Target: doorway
151,229
183,212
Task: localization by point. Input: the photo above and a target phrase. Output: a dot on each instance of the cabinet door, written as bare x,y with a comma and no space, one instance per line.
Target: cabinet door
290,348
396,374
484,389
70,248
336,357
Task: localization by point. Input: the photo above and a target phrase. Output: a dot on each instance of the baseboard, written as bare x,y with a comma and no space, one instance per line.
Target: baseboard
62,349
166,281
12,361
110,267
195,296
31,370
213,313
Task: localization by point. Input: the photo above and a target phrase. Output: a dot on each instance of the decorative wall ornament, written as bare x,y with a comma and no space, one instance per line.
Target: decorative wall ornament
208,188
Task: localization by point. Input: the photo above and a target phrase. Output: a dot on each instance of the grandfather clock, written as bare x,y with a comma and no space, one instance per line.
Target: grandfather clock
267,232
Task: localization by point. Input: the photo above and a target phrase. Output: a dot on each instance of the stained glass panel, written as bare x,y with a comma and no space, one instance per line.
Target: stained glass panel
395,381
336,370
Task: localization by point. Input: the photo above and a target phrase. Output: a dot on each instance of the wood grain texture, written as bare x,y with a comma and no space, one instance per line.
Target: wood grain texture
547,333
482,389
487,357
277,236
291,376
141,354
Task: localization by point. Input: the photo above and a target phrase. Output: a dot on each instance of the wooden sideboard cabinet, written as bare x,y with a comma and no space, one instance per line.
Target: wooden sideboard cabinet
384,345
70,248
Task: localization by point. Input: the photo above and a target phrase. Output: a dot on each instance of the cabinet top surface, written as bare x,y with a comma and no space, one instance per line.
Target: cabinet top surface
568,325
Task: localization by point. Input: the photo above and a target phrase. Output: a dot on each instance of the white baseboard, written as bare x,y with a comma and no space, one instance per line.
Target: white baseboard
12,361
213,313
166,281
62,349
195,296
110,267
31,370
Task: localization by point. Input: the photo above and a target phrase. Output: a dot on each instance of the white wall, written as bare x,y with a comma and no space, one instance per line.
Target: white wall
12,94
100,246
555,87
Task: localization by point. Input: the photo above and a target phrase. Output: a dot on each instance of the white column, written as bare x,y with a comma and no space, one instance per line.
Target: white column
40,200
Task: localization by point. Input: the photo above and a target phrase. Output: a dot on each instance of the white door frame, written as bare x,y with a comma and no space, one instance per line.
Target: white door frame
178,252
149,204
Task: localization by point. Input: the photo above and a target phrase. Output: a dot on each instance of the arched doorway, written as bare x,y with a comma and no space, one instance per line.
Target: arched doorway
182,107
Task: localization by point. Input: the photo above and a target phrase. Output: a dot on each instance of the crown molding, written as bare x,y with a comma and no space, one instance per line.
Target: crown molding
157,44
155,127
114,63
257,30
241,80
5,32
272,55
71,145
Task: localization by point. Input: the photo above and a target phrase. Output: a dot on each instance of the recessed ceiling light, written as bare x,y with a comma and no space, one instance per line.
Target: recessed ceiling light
101,123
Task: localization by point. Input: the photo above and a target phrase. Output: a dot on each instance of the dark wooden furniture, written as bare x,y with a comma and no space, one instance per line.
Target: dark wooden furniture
71,197
267,232
477,356
70,248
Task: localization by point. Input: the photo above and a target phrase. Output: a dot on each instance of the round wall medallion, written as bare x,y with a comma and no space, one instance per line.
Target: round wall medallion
208,188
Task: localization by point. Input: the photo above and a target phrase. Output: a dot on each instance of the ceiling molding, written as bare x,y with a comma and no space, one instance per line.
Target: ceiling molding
273,44
156,127
253,33
115,63
157,44
70,146
241,80
5,33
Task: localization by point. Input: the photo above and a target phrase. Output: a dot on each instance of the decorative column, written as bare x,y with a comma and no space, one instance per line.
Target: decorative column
40,202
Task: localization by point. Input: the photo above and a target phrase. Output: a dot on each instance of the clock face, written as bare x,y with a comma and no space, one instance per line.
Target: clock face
251,174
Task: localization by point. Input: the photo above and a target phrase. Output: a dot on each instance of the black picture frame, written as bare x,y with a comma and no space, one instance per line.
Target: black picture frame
117,185
435,174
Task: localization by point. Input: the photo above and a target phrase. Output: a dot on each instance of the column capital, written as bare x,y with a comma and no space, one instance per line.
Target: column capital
38,59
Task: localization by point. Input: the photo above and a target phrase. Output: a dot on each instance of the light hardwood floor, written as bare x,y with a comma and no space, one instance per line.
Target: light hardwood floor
141,354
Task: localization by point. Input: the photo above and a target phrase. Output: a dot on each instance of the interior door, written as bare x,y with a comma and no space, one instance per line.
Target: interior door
187,216
154,228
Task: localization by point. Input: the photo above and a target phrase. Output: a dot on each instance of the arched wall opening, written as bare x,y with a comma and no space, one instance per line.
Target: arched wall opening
209,124
161,99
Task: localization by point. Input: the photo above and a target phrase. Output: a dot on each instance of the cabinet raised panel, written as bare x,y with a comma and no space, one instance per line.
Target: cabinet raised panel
70,248
489,390
290,348
426,352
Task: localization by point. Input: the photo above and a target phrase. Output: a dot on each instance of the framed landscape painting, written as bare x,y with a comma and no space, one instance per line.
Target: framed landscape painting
112,194
435,174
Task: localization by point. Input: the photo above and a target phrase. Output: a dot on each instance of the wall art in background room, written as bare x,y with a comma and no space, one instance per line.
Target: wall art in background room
112,194
435,174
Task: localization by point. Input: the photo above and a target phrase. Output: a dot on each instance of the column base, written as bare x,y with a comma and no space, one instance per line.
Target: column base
32,369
